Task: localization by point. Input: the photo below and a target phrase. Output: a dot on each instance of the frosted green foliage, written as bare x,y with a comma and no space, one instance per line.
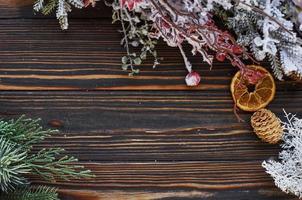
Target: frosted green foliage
267,32
24,131
27,193
61,7
13,165
287,170
17,160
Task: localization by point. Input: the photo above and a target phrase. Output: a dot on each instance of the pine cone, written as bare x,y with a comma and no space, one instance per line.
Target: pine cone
267,126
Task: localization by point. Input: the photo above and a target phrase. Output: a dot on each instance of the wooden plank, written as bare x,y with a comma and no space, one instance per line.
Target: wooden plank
176,194
147,126
35,57
155,145
178,180
24,10
147,144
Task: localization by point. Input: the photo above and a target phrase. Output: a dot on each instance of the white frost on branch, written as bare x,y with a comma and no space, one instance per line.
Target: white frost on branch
268,43
183,21
292,59
226,4
187,21
38,5
269,34
287,172
63,7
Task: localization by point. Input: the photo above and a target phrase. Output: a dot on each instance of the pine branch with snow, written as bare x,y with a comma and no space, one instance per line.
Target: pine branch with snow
62,8
276,66
287,170
266,30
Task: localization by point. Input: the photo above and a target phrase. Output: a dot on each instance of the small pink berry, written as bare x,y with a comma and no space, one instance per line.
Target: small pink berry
192,79
220,56
237,49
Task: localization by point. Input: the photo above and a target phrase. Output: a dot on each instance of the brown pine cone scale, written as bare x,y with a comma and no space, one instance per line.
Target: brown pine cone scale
267,126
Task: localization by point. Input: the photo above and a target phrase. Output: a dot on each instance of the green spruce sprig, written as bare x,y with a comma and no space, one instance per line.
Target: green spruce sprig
17,160
13,165
48,7
49,164
24,131
30,193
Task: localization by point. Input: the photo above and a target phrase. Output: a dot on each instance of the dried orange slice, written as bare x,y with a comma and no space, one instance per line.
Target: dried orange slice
252,97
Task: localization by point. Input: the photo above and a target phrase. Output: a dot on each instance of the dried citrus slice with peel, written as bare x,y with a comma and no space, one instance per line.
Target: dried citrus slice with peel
252,97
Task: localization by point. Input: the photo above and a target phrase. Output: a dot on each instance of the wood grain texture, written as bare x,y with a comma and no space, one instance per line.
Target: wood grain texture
90,59
147,137
155,144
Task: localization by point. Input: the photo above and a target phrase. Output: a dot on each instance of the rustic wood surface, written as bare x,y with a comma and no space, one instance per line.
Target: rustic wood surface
146,137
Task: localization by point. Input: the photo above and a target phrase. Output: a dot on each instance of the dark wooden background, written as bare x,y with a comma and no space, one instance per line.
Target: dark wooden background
146,137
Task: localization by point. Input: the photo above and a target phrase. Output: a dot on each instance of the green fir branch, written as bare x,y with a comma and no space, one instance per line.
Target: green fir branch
49,164
60,7
49,7
13,165
17,138
39,193
24,131
38,5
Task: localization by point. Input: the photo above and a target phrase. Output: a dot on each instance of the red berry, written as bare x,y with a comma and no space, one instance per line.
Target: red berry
220,56
165,24
237,49
192,79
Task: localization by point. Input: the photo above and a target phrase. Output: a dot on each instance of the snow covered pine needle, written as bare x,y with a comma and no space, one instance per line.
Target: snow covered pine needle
287,170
